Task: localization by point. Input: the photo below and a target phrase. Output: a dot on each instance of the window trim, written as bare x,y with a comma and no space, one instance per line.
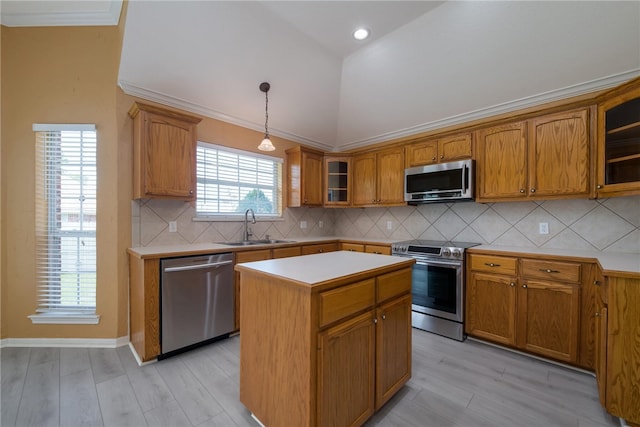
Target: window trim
239,217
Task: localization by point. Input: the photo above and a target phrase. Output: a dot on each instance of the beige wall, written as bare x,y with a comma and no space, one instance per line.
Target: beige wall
69,75
61,75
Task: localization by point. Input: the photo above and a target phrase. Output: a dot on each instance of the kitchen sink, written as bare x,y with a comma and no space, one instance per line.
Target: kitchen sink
257,242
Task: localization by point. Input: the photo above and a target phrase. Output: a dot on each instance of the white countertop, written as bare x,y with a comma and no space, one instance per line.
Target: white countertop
609,261
319,268
192,248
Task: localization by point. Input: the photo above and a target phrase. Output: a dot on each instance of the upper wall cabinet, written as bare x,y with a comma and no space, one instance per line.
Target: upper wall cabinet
543,158
438,150
337,181
618,164
304,167
378,178
164,153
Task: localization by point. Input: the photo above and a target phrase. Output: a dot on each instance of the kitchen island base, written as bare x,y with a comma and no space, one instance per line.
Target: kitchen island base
325,339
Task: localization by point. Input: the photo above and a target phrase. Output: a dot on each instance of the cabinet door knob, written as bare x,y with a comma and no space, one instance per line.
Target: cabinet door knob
598,186
375,321
522,190
524,286
433,158
533,190
384,317
190,191
512,284
442,156
596,282
597,314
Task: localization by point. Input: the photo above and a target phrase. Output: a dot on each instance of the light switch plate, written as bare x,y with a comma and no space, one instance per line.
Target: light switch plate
173,226
303,224
389,225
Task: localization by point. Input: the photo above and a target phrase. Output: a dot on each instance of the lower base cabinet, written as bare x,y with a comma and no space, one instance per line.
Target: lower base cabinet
330,357
619,349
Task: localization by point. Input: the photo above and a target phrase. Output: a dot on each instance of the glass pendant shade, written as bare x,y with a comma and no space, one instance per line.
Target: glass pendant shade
266,144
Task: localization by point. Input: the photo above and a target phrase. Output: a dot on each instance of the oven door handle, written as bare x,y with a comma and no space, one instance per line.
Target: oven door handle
439,263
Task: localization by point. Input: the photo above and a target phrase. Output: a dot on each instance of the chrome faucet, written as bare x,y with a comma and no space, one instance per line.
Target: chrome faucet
247,232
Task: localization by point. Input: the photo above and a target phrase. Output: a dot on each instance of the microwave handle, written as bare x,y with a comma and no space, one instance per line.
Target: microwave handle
464,178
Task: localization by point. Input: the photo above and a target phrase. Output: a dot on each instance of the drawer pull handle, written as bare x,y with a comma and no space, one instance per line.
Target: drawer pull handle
490,264
547,270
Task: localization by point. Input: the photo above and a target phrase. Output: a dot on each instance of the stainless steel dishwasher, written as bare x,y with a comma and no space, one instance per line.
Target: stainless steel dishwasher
197,300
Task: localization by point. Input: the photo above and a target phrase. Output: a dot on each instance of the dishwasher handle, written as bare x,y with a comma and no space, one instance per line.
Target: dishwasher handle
197,266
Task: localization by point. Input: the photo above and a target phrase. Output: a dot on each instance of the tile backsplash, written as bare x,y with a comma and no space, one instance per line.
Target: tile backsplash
581,224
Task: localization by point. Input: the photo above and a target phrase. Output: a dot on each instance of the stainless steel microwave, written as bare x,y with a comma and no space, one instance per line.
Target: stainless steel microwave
442,182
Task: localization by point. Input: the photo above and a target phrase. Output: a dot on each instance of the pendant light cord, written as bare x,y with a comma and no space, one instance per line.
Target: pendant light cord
266,113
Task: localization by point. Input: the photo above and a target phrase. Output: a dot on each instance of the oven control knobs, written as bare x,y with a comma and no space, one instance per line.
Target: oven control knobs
446,252
457,253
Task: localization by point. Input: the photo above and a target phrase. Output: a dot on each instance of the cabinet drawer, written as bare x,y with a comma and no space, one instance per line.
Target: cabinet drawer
319,248
378,249
346,300
551,270
494,264
286,252
392,284
352,247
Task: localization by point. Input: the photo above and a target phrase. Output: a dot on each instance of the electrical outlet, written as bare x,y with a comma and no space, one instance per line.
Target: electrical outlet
303,224
173,226
543,228
320,224
389,225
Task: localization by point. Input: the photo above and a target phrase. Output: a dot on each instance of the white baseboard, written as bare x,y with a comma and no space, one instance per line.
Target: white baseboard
65,342
138,359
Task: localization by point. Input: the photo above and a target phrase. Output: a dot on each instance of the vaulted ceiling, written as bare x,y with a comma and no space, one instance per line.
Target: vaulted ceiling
426,65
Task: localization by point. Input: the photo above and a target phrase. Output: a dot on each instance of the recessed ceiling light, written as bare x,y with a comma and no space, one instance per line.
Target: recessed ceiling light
361,34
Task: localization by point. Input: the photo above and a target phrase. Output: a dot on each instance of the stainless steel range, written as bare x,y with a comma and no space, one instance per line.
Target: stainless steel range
437,285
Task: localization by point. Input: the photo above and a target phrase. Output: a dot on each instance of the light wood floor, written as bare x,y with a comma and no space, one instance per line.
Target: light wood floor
453,384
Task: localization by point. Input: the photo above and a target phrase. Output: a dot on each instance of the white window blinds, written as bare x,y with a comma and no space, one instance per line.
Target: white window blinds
66,184
231,181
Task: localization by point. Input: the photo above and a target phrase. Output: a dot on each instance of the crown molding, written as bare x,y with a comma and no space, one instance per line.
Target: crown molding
483,113
507,107
182,104
79,13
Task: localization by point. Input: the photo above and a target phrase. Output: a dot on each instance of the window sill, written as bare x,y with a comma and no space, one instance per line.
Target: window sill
64,319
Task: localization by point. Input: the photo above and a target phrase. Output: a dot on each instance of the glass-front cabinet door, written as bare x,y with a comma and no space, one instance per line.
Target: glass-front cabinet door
619,142
337,181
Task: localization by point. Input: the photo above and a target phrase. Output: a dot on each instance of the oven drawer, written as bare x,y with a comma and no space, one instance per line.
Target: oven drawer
346,300
551,270
493,264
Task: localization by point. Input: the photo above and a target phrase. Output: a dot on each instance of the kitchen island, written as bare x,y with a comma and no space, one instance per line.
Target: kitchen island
326,338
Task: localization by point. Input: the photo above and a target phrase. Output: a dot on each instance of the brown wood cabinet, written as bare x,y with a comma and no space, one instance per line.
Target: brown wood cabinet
164,153
304,174
319,248
530,304
620,324
326,356
543,158
440,150
369,248
378,178
618,161
337,181
240,257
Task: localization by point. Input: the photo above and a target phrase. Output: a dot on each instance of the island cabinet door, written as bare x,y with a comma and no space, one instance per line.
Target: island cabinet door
393,348
346,372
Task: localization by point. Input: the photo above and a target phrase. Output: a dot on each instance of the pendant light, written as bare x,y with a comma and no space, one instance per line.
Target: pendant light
266,144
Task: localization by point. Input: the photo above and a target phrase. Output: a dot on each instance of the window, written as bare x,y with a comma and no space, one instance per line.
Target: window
232,181
66,223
